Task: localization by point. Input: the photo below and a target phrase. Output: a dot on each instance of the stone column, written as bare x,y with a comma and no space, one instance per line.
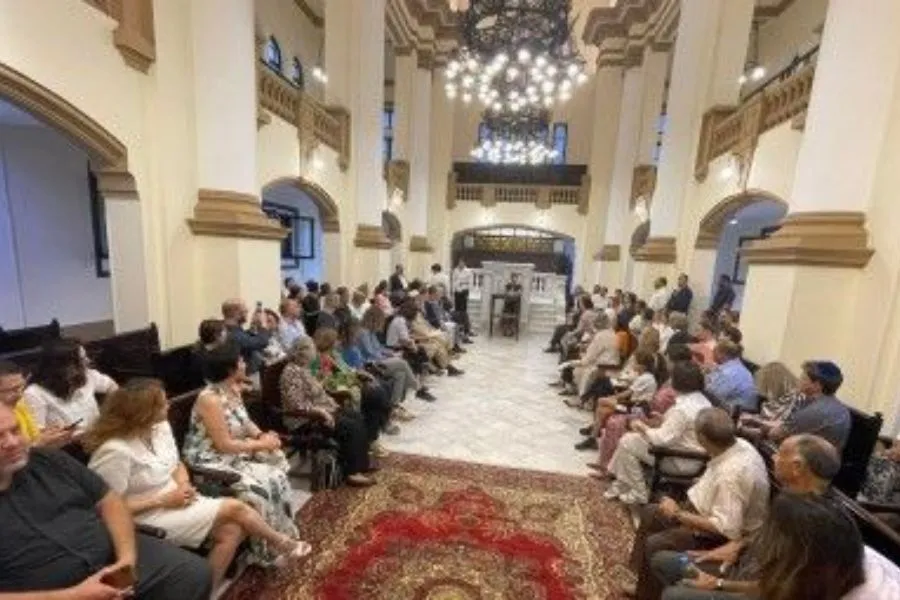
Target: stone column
811,291
420,167
615,248
239,250
441,155
354,58
709,55
654,70
607,101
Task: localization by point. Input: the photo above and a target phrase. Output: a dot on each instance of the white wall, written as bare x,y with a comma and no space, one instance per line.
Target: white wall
792,33
291,196
47,249
296,36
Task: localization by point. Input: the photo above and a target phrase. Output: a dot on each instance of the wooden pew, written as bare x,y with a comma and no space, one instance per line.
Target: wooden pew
178,369
18,340
125,355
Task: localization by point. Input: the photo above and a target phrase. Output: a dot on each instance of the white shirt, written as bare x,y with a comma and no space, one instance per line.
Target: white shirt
733,492
600,302
677,428
397,332
882,579
440,281
659,299
462,279
643,387
51,411
132,470
665,334
289,332
602,351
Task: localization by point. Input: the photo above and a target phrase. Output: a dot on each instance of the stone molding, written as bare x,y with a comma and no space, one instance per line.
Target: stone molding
115,183
821,239
643,184
540,196
396,174
657,250
371,236
134,37
317,21
225,213
329,211
419,243
714,221
609,253
427,26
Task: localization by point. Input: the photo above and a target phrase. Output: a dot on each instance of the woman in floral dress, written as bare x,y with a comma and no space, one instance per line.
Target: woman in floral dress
222,436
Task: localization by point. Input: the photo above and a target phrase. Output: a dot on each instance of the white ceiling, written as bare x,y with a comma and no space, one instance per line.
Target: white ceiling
13,115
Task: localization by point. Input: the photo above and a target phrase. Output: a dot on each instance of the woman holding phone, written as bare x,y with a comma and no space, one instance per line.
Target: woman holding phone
134,451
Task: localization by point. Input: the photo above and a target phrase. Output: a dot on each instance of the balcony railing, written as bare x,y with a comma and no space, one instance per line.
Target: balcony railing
316,122
568,187
737,130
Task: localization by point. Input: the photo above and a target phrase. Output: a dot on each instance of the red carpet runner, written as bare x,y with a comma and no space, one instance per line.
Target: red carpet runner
445,530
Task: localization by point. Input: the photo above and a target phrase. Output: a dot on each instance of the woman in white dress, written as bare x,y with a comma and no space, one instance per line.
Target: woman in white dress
62,393
134,451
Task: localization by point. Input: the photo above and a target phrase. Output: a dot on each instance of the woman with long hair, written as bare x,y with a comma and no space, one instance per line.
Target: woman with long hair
221,435
62,392
302,392
134,451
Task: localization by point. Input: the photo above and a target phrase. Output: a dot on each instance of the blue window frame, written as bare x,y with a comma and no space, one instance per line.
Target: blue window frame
387,123
297,73
273,54
560,142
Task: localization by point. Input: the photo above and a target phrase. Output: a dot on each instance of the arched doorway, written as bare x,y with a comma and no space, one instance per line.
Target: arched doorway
393,230
730,225
312,249
76,201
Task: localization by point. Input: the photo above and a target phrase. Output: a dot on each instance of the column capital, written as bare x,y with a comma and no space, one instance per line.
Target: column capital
226,213
609,253
420,243
657,250
371,236
643,184
822,239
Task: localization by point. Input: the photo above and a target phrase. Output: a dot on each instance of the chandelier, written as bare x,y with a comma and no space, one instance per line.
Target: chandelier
515,138
514,54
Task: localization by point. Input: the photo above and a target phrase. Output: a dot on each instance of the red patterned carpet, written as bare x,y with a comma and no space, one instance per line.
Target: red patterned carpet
445,530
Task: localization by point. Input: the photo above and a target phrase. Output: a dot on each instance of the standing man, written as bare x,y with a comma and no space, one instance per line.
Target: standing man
724,297
461,282
660,296
440,280
680,300
397,282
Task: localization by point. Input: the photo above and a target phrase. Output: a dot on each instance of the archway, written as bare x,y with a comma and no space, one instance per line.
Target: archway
312,249
117,227
730,225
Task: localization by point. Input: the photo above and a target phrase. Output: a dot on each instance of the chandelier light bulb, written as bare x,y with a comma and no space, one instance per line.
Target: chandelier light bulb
512,73
467,98
572,70
451,93
581,78
565,84
541,61
564,96
467,81
503,58
547,87
758,73
471,64
497,106
548,101
552,70
524,55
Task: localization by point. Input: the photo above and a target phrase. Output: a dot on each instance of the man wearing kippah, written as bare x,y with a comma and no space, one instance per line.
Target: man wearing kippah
820,413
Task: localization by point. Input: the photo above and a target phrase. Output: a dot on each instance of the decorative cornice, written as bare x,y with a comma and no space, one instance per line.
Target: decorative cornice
428,26
609,253
371,236
57,112
134,36
226,213
656,250
822,239
622,33
309,13
419,243
643,184
328,208
116,183
713,222
425,59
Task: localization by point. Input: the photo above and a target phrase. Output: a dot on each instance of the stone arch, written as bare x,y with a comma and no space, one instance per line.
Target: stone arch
713,223
639,237
328,208
392,227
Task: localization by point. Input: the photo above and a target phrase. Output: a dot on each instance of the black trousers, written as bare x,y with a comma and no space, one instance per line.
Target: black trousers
352,436
376,409
166,571
558,334
461,301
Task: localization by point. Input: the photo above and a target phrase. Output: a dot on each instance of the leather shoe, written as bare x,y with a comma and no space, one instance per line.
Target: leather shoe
587,444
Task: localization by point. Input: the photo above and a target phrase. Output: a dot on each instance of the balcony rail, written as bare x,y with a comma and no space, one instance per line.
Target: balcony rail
542,196
316,122
737,130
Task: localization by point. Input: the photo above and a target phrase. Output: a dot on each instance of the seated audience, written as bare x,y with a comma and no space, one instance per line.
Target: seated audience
221,435
291,326
433,341
584,327
439,279
643,318
573,318
12,387
328,318
251,342
617,424
134,451
882,483
803,464
78,541
381,298
778,389
373,351
679,324
627,311
601,353
301,391
728,502
598,297
62,393
371,398
661,325
729,382
675,431
359,304
438,318
820,412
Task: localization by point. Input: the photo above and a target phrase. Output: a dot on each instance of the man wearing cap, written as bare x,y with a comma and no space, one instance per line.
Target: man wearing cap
821,413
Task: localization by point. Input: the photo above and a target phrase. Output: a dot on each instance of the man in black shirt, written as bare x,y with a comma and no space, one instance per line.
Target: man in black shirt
680,300
66,535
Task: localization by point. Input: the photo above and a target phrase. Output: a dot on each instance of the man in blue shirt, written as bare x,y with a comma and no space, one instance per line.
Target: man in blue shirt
251,341
730,381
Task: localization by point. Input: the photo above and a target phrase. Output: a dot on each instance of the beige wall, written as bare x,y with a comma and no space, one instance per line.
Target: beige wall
792,33
296,36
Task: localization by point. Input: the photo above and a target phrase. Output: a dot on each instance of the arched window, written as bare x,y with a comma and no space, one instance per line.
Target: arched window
273,54
297,72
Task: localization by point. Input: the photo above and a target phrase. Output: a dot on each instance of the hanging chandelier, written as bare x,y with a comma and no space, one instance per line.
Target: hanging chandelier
514,54
515,138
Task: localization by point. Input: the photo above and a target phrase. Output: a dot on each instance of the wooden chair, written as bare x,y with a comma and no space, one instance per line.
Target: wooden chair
26,359
864,431
178,369
17,340
126,355
664,482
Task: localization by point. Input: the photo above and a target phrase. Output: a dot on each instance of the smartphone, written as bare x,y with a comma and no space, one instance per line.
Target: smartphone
73,425
122,578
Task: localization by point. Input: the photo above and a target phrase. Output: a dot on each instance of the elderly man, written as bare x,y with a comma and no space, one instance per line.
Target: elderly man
804,464
728,502
729,381
65,535
252,342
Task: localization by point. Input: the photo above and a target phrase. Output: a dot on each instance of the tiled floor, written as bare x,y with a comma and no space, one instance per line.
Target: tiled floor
500,412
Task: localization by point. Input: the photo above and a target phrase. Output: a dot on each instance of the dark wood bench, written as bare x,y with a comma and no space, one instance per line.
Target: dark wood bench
18,340
178,368
125,355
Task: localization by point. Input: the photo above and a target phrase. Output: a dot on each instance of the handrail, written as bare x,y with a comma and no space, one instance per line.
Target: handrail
542,196
799,61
